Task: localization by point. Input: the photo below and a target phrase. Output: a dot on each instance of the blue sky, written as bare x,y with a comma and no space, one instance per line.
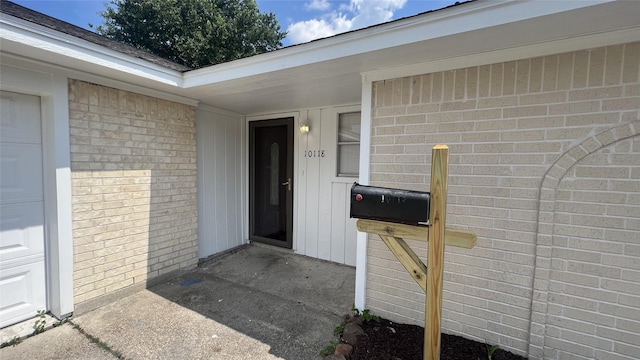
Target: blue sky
304,19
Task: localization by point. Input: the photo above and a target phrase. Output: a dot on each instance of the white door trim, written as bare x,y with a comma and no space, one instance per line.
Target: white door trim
364,177
52,86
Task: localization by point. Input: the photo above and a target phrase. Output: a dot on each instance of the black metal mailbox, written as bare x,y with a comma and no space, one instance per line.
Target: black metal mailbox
392,205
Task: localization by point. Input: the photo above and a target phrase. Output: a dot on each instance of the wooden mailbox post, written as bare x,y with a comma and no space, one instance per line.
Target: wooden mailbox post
430,276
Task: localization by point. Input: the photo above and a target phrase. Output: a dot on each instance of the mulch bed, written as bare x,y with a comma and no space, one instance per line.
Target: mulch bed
386,340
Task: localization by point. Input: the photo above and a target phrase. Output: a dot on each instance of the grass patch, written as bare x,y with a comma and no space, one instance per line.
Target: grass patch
13,342
101,344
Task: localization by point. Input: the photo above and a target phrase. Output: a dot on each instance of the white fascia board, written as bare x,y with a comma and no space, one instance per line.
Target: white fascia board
36,36
504,55
446,22
18,61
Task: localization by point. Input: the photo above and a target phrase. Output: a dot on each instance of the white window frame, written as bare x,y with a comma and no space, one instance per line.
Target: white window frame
339,144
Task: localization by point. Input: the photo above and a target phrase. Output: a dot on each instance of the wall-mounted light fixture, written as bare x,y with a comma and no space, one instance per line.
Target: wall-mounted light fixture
304,127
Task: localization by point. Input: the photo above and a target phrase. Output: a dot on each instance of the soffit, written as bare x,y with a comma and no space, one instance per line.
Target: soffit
335,79
328,72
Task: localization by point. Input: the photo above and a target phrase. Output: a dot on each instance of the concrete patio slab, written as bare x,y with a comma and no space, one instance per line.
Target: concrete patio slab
62,342
252,303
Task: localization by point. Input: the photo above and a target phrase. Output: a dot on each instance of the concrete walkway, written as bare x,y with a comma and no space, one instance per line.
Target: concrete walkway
255,303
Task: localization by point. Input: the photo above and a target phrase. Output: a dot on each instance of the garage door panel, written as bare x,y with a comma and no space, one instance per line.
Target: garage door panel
20,118
22,229
22,292
20,173
22,253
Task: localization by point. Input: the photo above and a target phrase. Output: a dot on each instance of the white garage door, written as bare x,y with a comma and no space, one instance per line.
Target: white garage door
22,274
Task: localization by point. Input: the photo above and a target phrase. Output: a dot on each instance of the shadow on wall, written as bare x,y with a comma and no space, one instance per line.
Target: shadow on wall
134,188
133,168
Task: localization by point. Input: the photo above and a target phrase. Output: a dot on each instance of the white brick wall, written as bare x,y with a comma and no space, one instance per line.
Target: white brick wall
584,304
513,128
133,168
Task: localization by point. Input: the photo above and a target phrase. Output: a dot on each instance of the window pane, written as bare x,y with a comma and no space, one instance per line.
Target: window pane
275,174
349,127
348,159
348,144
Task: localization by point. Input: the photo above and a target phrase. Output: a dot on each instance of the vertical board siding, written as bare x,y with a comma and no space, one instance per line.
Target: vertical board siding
206,195
325,204
300,191
312,186
338,223
350,234
234,192
219,182
323,228
509,127
220,179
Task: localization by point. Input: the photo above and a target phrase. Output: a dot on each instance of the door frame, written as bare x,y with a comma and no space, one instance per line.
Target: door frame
288,121
51,85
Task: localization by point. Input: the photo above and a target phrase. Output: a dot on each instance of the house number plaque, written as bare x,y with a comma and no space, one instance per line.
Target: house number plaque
314,153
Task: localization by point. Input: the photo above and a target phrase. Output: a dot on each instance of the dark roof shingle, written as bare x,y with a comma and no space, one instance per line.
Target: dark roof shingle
10,8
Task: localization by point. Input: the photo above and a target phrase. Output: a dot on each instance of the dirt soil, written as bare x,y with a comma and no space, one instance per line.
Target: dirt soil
386,340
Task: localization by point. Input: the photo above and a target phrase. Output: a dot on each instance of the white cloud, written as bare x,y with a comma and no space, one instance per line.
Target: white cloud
355,15
321,5
374,12
305,31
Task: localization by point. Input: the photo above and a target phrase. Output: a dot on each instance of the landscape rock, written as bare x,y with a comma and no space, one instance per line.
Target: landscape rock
354,319
351,333
344,349
335,357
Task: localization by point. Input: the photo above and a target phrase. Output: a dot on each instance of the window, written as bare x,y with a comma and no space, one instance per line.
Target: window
275,174
348,144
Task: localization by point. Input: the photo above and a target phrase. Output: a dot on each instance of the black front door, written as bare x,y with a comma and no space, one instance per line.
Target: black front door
271,182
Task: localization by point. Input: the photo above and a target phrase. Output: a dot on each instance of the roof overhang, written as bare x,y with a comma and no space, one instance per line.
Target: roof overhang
331,71
24,38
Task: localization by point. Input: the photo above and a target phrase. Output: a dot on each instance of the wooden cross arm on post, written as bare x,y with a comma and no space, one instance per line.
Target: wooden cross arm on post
437,235
394,234
460,238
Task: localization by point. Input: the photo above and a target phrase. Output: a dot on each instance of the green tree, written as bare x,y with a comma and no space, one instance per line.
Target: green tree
194,33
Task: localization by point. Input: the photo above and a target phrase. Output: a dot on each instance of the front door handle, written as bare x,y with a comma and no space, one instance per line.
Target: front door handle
287,184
